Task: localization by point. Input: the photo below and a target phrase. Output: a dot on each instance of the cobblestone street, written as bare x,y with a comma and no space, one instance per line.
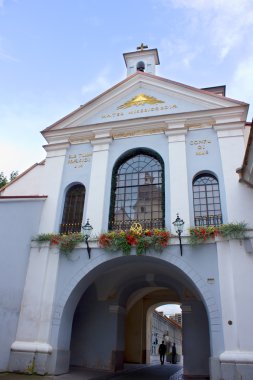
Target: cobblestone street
133,372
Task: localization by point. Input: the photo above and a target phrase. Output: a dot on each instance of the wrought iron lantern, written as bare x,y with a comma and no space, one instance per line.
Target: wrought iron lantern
179,227
87,228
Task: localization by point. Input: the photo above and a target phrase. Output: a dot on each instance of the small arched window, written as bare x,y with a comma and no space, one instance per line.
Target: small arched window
137,190
73,210
206,200
141,66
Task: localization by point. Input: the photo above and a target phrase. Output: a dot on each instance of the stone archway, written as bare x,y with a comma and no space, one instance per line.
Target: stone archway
141,303
102,299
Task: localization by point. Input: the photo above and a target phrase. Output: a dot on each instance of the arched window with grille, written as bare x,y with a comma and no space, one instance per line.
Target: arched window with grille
206,200
137,193
73,210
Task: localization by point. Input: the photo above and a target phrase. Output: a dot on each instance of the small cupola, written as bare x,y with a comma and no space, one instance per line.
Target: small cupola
143,59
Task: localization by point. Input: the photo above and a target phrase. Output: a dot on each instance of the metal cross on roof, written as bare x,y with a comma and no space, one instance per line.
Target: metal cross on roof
142,47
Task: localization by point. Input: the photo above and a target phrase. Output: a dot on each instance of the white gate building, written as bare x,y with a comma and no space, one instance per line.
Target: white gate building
144,150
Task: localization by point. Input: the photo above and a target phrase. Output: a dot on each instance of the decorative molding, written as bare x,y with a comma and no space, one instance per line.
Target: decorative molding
140,100
22,198
225,133
41,347
57,149
176,136
237,357
101,144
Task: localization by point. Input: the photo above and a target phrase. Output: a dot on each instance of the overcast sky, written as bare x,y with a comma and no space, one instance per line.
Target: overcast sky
169,309
58,54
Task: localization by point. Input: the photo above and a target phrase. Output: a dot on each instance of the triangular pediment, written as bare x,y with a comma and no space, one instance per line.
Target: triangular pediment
143,96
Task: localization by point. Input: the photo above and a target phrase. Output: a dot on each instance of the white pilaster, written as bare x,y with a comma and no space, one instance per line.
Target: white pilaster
52,185
96,195
235,277
34,326
178,180
227,294
232,148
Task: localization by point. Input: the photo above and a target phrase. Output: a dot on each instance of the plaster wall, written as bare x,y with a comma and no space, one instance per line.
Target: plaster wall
77,169
203,155
238,195
196,347
98,179
94,344
51,186
134,330
29,184
179,197
20,223
235,267
148,59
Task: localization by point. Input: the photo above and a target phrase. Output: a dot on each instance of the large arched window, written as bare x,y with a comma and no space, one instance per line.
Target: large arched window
73,210
137,190
206,200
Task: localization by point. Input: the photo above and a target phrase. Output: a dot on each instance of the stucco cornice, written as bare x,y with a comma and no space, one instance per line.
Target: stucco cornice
143,81
57,146
222,118
21,198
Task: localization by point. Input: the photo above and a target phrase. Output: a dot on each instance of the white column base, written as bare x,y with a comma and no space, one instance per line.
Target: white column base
237,357
41,347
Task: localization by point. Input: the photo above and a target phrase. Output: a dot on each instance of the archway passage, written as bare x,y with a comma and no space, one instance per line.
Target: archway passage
110,322
144,335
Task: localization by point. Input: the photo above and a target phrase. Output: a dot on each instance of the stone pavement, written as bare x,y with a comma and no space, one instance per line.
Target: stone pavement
92,374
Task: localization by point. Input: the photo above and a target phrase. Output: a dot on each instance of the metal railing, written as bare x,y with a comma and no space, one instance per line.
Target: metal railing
145,223
70,228
208,220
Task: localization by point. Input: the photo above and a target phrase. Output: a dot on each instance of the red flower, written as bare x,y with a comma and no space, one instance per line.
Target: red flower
104,241
55,240
131,240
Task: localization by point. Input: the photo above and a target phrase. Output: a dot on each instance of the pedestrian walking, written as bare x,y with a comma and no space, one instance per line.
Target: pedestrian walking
162,352
174,354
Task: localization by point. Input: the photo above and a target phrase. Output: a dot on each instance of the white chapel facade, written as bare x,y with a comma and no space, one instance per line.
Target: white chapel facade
143,151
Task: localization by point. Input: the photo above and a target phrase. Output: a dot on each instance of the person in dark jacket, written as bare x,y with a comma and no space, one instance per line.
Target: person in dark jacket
162,351
174,354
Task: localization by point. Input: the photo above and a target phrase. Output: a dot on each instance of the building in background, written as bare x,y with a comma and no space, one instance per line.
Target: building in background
177,317
167,330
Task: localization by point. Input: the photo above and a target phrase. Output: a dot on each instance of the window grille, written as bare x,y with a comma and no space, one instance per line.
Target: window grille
206,201
73,210
137,192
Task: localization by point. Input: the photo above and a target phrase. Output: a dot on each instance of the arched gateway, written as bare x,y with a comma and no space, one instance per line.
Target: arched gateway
111,296
140,153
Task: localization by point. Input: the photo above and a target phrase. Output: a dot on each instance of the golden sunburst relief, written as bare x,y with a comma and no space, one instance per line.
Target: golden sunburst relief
140,100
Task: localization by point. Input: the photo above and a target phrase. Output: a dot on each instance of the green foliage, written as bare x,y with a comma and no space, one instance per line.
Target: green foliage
230,231
4,180
156,239
66,243
13,175
44,237
233,230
